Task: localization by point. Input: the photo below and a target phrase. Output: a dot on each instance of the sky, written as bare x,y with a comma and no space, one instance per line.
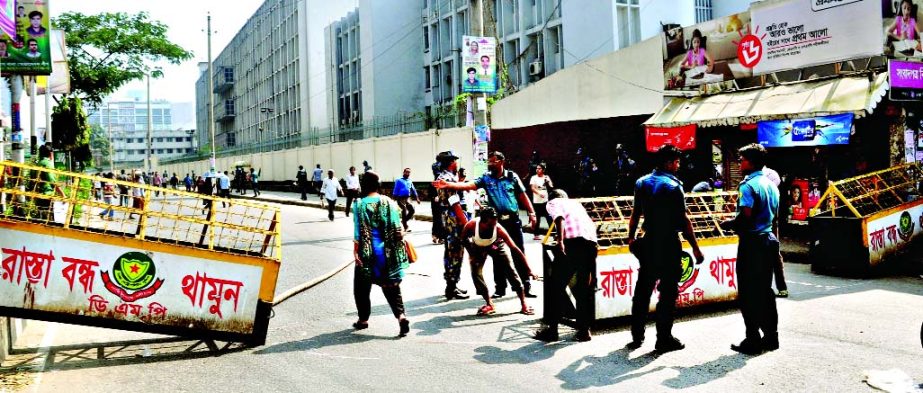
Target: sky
186,21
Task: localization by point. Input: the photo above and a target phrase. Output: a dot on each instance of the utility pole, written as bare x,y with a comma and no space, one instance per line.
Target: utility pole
150,126
211,94
109,117
48,136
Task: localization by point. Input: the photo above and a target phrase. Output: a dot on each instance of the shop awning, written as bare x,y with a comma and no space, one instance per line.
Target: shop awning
858,95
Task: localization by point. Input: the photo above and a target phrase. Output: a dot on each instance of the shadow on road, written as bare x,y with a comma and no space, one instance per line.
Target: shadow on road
342,337
706,372
604,371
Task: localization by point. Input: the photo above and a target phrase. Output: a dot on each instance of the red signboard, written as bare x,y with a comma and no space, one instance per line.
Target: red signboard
681,137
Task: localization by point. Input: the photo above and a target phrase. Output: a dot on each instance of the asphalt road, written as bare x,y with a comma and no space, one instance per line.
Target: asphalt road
831,331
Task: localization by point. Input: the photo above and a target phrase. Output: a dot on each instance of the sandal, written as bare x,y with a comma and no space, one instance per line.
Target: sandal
361,325
527,310
486,310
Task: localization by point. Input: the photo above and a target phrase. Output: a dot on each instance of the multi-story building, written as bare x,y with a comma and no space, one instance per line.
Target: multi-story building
371,58
127,121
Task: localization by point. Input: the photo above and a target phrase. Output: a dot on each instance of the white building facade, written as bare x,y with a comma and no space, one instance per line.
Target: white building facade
127,121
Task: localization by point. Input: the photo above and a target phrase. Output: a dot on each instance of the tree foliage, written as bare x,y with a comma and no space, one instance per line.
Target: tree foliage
108,50
70,128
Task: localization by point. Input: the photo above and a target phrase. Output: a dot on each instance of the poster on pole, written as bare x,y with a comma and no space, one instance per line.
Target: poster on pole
791,34
479,63
30,52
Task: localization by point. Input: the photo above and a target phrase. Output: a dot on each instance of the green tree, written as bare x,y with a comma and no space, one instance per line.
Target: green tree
105,52
99,141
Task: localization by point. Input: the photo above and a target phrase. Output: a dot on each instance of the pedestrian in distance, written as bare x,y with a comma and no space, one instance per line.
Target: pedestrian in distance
482,237
174,181
352,189
123,188
660,200
187,181
224,186
453,221
574,258
204,187
505,193
540,183
255,181
156,182
331,189
108,196
366,167
403,191
438,231
379,252
318,180
137,195
757,252
240,177
301,181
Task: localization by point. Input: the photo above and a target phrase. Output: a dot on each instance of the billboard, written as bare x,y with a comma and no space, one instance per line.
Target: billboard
704,53
793,34
900,28
682,137
479,64
30,52
818,131
906,79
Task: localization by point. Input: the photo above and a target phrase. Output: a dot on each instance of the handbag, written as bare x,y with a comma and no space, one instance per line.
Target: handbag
411,252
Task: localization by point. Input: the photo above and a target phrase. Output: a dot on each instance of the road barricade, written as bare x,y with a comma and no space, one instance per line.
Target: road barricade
153,260
862,221
715,280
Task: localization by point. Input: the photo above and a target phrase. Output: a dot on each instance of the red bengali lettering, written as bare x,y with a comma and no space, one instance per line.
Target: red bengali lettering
36,266
194,287
617,281
81,270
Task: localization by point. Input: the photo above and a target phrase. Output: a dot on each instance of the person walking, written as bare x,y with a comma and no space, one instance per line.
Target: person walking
255,181
331,189
240,177
660,200
540,183
224,187
403,191
187,181
301,180
123,188
156,181
757,216
137,195
318,180
574,258
108,196
482,237
505,193
378,249
453,220
204,187
174,181
47,184
352,189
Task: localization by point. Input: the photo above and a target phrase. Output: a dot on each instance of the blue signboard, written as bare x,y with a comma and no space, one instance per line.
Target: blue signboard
819,131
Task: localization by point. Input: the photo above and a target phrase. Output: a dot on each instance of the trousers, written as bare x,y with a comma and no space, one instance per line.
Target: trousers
579,261
362,288
660,260
514,228
501,256
756,256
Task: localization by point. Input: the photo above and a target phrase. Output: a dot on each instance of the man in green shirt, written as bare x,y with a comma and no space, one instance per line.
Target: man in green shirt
46,184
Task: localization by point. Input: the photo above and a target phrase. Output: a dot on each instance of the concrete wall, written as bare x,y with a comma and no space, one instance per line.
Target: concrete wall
623,83
388,156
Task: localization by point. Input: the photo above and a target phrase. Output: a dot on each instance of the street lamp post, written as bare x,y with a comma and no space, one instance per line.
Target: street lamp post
268,112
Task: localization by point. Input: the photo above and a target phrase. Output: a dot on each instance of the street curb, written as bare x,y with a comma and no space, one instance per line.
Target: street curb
316,205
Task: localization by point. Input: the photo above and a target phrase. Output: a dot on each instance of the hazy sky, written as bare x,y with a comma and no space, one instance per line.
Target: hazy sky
186,20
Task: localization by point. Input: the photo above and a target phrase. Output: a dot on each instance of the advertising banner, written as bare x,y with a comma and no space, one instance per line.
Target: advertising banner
704,53
682,137
30,52
479,64
800,33
900,28
819,131
715,280
63,275
889,233
7,19
906,79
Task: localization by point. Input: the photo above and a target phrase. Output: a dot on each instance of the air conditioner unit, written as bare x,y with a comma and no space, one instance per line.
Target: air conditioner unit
535,68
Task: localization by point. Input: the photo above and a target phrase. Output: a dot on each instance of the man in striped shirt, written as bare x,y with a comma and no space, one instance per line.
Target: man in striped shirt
575,254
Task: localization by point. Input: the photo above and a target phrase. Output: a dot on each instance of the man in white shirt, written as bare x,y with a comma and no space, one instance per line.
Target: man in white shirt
224,186
331,190
352,188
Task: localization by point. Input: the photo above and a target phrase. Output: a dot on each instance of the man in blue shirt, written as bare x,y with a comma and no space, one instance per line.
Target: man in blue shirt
659,198
755,223
505,193
403,191
318,179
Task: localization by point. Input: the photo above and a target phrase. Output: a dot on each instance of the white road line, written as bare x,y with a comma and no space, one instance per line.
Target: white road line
44,348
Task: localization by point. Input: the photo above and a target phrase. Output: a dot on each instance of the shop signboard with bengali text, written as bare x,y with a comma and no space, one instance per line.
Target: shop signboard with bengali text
67,276
818,131
890,233
715,280
29,53
792,34
682,137
906,80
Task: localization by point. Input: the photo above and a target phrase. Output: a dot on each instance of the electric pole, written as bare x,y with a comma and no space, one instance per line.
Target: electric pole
211,94
150,125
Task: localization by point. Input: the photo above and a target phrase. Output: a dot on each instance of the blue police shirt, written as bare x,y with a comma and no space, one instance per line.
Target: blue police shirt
660,197
759,194
404,188
502,192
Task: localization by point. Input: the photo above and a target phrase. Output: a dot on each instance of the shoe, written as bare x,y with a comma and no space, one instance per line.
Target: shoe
498,294
405,327
529,294
361,325
783,293
455,294
548,334
635,343
748,347
668,345
486,310
770,342
462,291
583,336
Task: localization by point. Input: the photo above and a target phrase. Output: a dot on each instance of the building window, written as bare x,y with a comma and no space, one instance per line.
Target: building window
159,140
428,82
169,151
177,139
228,75
425,38
231,139
188,139
229,107
702,11
629,22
